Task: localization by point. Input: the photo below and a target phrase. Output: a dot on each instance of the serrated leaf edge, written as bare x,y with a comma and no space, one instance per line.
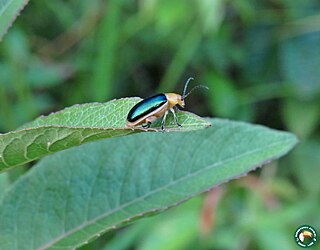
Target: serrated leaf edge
13,19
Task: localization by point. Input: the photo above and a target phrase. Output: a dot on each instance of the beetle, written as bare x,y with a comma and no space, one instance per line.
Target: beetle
148,110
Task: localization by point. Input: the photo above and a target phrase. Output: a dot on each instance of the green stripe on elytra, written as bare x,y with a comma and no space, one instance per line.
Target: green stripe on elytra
146,106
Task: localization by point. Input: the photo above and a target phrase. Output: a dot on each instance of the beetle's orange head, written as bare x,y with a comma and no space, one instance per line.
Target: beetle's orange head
181,102
175,99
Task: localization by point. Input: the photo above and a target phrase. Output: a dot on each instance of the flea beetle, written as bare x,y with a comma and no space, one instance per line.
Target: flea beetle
151,108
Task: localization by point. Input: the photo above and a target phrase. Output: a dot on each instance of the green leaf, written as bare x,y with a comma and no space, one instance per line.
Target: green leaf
306,155
224,98
71,197
4,183
76,125
293,110
300,58
173,233
9,10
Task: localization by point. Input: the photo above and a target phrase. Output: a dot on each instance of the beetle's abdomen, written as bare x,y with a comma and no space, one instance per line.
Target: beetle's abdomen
146,106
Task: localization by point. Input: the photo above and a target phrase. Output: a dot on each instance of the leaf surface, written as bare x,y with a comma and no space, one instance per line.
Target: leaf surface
9,10
76,125
71,197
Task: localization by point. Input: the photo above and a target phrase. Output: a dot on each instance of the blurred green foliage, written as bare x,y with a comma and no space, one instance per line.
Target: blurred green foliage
260,60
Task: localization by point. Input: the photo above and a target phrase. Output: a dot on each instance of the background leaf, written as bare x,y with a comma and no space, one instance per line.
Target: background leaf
304,76
76,125
293,110
9,10
85,191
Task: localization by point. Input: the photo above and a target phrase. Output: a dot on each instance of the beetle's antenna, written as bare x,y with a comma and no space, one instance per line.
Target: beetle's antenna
185,87
196,87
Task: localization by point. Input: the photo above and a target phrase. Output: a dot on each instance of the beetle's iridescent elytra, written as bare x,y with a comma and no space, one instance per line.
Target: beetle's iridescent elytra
148,110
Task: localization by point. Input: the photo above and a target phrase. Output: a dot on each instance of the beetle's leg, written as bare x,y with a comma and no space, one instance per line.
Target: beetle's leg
175,117
176,108
164,120
147,125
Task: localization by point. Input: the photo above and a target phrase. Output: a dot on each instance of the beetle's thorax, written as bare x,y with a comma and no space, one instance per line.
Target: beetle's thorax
174,99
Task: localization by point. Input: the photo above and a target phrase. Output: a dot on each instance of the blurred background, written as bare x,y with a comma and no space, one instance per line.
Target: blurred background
261,61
